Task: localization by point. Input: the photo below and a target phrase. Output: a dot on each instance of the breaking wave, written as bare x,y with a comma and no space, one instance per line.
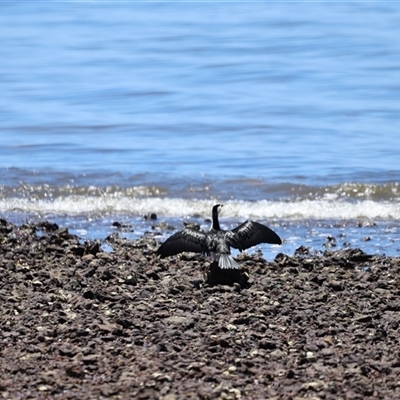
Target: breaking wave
171,207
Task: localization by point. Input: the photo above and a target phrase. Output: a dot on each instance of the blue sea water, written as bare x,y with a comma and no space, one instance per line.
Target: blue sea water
287,112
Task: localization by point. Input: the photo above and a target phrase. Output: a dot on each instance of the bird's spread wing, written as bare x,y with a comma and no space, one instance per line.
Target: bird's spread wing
185,240
250,234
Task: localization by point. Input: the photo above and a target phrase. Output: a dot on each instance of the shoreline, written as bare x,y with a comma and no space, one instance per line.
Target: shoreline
79,322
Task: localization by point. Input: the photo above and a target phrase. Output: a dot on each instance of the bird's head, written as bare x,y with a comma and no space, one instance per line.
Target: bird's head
217,209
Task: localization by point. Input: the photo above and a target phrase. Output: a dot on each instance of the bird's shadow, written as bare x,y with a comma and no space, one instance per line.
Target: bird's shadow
214,275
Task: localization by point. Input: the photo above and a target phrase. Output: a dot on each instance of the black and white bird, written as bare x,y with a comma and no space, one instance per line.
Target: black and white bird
218,242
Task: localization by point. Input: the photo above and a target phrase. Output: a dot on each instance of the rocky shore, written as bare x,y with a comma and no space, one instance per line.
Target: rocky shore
78,322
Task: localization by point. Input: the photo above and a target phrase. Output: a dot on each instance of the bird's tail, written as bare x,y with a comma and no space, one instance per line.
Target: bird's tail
226,261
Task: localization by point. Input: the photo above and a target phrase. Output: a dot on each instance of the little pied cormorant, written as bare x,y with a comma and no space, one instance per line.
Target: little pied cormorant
218,242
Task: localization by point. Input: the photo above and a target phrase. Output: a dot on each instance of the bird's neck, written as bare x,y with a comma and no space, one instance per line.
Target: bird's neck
215,222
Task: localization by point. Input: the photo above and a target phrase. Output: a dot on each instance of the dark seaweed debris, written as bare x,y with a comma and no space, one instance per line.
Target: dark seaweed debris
78,322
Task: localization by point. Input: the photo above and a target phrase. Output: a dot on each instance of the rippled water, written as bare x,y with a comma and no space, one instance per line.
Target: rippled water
286,112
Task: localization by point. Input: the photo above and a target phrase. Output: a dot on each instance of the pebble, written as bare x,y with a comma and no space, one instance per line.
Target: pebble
124,324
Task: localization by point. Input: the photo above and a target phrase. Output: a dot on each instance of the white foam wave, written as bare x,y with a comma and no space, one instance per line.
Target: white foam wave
168,207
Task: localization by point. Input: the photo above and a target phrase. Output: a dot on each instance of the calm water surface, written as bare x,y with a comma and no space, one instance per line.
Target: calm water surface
287,112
